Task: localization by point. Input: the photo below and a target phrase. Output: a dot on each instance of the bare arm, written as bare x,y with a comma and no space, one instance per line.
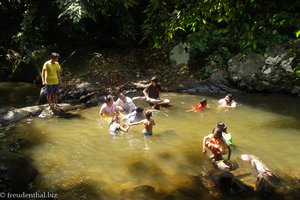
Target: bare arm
58,76
192,109
136,123
145,92
43,75
203,144
229,152
125,129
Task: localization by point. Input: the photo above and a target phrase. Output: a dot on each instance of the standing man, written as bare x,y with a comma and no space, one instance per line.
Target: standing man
51,79
152,92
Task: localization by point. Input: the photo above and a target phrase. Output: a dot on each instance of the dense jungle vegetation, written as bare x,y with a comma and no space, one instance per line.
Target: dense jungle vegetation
29,27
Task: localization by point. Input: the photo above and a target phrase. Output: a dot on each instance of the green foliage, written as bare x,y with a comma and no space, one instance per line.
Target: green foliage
210,25
203,74
297,33
251,23
297,71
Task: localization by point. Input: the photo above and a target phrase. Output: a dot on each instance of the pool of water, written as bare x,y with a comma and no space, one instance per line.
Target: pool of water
79,150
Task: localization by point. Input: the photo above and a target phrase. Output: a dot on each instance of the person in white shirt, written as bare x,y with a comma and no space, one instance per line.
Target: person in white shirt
125,104
109,107
227,102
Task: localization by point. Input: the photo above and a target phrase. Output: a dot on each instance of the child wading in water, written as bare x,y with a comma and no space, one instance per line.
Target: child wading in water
148,124
115,126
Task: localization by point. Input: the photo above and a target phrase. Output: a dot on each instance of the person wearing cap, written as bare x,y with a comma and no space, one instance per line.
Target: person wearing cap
152,92
51,79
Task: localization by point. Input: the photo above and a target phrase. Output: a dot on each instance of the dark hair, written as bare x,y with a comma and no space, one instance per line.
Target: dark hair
229,96
148,114
108,98
222,126
139,109
218,133
203,101
154,79
54,55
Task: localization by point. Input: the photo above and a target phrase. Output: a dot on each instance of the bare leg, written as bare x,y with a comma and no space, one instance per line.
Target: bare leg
55,100
49,100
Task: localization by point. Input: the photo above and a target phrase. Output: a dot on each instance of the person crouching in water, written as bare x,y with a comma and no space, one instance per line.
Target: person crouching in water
216,144
148,124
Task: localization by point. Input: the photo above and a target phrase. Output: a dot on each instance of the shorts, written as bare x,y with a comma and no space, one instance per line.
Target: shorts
51,89
147,134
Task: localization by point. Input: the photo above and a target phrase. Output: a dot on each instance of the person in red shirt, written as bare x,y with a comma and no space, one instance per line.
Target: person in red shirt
202,104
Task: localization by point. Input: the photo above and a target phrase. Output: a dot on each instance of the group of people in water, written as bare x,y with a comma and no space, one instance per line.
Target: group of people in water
124,113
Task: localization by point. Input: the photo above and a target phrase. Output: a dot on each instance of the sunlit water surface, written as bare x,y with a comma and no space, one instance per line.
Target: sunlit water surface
79,149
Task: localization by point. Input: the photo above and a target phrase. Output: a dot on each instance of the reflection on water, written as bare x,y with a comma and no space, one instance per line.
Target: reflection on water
69,152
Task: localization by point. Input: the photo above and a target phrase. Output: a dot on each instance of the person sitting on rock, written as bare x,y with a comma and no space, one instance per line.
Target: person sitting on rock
152,92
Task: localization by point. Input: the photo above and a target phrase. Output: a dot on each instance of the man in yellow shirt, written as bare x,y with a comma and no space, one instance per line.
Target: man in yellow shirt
51,79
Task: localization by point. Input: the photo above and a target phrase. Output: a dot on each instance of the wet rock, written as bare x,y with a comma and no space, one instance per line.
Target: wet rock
12,115
15,114
273,72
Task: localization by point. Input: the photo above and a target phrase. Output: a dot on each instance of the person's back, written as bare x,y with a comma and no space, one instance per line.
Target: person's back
148,124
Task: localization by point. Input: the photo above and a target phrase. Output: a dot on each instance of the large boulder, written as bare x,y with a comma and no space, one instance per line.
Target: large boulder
271,72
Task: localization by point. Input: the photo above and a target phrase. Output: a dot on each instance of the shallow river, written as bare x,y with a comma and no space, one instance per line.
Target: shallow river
76,151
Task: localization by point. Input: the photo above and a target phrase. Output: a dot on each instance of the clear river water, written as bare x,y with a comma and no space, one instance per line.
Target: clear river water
78,154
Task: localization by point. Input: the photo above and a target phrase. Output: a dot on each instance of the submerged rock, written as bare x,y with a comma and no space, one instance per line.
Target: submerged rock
16,172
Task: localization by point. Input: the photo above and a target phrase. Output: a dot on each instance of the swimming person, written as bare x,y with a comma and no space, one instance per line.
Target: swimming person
202,104
227,102
115,126
148,124
216,144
